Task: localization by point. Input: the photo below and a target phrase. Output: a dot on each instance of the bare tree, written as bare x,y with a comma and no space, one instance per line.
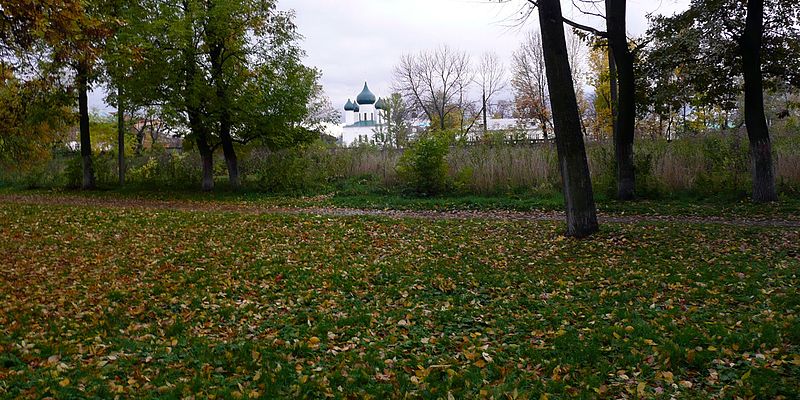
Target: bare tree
529,81
435,82
490,78
578,53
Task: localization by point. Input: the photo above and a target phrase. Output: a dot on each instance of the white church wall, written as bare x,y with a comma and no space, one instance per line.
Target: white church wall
350,135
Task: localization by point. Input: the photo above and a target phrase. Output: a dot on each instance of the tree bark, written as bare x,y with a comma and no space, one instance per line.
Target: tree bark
626,98
578,195
485,119
217,72
755,120
200,133
228,150
120,138
612,89
88,181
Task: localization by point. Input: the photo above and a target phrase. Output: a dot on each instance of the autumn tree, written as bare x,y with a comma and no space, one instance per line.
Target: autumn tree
602,124
35,115
57,38
529,81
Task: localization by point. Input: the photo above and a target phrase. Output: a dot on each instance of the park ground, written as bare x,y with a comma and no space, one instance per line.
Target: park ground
150,296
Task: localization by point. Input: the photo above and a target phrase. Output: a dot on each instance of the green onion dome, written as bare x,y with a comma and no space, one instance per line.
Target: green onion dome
365,97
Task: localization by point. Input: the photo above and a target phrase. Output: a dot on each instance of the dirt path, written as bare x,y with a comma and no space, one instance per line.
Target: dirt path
218,206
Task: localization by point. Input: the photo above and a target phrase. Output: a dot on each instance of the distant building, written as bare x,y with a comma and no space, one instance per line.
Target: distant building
367,115
362,117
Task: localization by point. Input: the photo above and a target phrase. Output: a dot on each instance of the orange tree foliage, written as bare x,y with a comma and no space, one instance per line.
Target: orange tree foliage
41,42
33,118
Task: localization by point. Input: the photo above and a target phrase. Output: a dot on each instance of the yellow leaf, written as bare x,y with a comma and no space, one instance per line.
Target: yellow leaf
746,374
64,382
640,389
686,384
668,376
649,342
480,363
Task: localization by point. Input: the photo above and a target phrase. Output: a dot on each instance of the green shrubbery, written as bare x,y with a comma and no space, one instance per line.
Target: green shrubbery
423,166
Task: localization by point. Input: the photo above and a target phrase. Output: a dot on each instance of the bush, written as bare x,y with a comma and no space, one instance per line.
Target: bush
165,168
423,166
292,171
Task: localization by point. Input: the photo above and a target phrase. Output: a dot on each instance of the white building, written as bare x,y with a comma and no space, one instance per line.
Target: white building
362,118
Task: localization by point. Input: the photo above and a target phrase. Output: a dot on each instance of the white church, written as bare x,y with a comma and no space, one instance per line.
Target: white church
362,117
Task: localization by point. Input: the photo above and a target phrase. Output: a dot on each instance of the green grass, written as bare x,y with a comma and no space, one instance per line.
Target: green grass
167,304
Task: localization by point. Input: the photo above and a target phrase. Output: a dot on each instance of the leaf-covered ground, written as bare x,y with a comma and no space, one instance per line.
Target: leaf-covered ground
168,304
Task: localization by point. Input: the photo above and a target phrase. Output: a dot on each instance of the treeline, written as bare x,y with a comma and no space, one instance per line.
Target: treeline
222,73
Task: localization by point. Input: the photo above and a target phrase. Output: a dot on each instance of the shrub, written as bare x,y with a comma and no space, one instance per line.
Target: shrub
285,171
423,166
165,168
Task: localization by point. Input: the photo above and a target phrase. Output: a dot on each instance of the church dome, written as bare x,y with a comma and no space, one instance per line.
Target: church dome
365,97
349,106
356,108
380,104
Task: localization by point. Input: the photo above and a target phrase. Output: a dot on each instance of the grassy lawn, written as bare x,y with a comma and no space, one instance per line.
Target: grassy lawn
168,304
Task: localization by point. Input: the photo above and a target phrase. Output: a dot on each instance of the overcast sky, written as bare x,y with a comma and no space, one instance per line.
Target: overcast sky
352,41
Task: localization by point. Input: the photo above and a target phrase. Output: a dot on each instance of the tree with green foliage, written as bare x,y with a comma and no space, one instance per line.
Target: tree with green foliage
229,71
727,48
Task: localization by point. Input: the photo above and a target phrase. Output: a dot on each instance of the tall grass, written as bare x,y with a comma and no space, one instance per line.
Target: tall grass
705,164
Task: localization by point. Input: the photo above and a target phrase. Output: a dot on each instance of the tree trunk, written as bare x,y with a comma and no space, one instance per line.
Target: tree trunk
755,120
200,133
626,98
228,150
86,140
207,157
612,89
485,119
578,195
120,138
